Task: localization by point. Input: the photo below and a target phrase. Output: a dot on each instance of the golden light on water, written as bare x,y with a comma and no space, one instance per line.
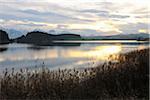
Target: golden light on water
103,52
81,56
141,47
98,52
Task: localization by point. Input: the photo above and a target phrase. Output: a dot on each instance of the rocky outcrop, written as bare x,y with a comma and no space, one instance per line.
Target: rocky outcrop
42,38
4,39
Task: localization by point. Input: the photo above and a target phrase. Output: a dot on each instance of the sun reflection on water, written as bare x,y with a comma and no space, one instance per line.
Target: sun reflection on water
98,52
79,56
103,52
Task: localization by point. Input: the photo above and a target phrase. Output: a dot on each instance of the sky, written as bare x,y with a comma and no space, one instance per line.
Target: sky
85,17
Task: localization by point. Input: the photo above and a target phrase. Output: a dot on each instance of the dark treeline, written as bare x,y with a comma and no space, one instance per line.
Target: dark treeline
37,38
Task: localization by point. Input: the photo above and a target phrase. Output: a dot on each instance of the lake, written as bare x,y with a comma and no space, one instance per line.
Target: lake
70,54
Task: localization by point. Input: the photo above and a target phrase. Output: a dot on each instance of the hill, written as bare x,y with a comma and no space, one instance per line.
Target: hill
139,36
43,38
4,37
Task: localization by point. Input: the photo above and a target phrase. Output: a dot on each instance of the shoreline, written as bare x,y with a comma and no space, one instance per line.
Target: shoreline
128,78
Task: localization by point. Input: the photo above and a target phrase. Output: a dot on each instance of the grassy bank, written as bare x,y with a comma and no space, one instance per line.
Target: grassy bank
128,78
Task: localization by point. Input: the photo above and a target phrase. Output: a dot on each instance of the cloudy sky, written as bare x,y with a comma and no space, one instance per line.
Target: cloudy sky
87,17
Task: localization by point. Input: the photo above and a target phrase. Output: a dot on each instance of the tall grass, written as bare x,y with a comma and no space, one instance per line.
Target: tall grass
126,79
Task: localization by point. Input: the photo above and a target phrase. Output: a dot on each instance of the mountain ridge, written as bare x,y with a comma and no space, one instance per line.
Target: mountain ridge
13,34
121,36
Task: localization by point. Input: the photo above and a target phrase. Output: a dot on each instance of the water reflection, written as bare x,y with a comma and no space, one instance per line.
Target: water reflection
98,52
35,48
27,55
103,52
3,49
65,44
61,44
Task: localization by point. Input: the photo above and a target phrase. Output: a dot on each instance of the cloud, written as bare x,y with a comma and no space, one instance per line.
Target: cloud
92,17
21,18
133,28
118,16
104,13
62,26
93,11
108,15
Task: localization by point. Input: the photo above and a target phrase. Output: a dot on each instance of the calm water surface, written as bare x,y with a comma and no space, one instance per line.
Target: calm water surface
77,54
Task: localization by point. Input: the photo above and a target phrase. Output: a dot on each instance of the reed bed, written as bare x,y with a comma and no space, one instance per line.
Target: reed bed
128,78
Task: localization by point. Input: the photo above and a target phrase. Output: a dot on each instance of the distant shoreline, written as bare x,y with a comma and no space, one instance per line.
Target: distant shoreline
104,41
